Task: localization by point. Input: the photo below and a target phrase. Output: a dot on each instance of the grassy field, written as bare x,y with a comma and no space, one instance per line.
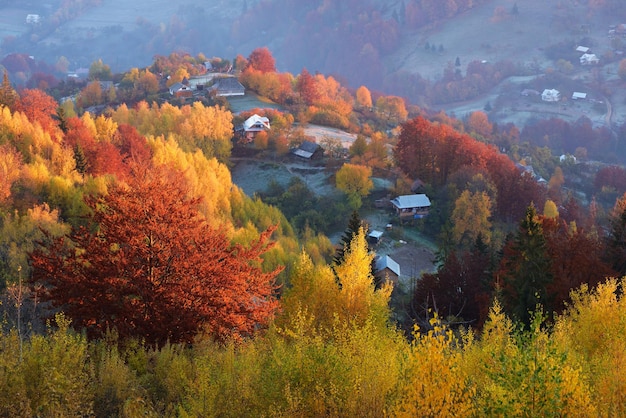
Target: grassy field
249,101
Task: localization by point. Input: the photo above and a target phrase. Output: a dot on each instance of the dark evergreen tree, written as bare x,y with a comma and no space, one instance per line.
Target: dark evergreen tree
615,254
8,95
457,62
81,160
525,269
61,118
351,230
354,224
515,10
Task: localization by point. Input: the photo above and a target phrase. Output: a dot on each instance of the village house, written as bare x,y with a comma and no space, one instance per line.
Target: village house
198,82
228,86
374,237
386,268
33,19
252,126
413,206
181,90
308,150
582,49
551,95
589,59
579,96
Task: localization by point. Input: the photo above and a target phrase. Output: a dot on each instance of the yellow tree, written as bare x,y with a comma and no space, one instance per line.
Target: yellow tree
355,181
550,210
436,383
106,128
10,166
593,329
478,124
359,301
525,373
177,77
316,303
363,98
309,305
206,178
147,83
393,108
470,217
18,235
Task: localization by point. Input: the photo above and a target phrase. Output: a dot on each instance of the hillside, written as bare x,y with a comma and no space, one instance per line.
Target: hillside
130,34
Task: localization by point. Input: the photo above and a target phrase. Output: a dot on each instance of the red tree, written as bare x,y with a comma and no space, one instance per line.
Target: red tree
307,87
261,59
576,258
612,176
38,107
133,146
150,267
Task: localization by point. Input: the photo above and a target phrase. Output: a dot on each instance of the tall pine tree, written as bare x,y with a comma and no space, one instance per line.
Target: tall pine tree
525,269
351,230
8,95
615,254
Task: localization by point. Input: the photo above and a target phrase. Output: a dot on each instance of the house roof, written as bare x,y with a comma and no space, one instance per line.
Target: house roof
581,48
550,92
178,87
229,86
579,95
589,58
375,234
306,149
411,201
550,95
256,120
386,262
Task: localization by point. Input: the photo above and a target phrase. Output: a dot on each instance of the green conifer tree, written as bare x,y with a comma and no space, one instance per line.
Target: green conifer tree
615,254
8,95
351,230
81,160
527,269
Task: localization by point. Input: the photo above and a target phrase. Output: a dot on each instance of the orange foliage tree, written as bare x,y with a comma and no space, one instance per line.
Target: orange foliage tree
38,107
10,166
150,267
261,59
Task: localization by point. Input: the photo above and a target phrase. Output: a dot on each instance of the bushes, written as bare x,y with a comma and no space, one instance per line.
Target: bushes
346,369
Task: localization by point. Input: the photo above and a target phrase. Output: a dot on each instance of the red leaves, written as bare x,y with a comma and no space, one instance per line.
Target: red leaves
431,152
261,59
150,267
38,107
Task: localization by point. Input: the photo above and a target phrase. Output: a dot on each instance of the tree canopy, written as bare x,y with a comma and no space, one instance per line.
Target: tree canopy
149,266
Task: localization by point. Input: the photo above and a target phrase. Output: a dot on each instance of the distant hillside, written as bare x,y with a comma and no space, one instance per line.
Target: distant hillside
378,43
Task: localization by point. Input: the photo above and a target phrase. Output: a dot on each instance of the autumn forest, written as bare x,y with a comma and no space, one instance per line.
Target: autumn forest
138,279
